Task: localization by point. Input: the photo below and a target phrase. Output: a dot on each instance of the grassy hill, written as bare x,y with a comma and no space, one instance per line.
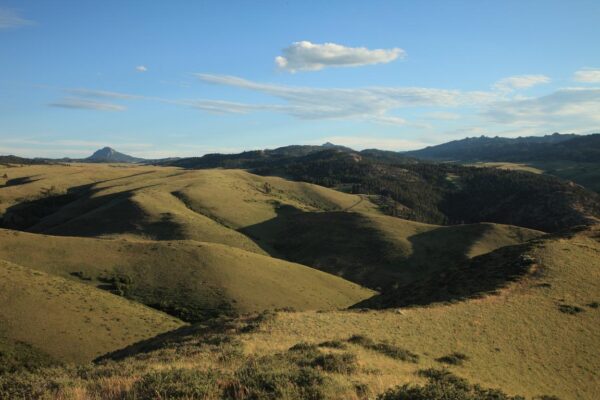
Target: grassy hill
67,320
188,279
381,251
538,335
156,203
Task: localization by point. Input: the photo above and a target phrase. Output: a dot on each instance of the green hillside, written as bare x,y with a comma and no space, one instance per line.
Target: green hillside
67,320
376,250
537,336
191,280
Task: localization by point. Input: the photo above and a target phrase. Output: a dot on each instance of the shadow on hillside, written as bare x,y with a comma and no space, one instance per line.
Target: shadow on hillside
481,276
340,243
19,181
83,211
424,268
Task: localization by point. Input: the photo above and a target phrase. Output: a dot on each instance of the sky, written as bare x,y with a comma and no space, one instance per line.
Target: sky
185,78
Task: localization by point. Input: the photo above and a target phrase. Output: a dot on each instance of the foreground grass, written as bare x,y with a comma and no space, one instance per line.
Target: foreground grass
515,343
208,363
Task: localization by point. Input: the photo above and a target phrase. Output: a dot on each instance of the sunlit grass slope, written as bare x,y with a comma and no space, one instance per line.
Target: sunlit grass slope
539,335
70,321
189,279
157,202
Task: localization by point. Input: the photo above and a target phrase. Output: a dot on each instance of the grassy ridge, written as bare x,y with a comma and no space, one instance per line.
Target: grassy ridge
156,203
188,279
70,321
381,251
518,341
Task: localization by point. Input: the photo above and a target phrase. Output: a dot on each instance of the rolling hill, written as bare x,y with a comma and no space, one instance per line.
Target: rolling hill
536,336
191,280
293,289
70,321
382,251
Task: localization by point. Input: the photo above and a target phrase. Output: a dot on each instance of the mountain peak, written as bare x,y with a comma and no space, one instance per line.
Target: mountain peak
108,154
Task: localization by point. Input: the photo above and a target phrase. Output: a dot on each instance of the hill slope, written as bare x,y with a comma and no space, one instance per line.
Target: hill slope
157,203
537,336
70,321
188,279
376,250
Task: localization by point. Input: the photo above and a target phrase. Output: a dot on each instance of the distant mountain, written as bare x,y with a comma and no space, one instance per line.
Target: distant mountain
108,155
10,159
568,147
255,158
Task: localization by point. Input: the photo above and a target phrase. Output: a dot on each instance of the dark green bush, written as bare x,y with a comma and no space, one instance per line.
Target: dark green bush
569,309
443,385
389,350
455,358
334,344
274,378
81,275
27,386
345,363
177,384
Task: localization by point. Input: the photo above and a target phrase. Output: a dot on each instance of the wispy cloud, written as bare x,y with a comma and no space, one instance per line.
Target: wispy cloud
564,109
75,103
588,75
368,103
141,68
11,19
102,94
307,56
520,82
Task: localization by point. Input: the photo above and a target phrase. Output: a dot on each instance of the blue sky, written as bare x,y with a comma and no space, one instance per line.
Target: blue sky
184,78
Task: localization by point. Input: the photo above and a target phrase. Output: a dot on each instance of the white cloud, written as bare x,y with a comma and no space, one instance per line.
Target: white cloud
307,56
75,103
566,109
102,94
588,75
11,19
520,82
141,68
368,103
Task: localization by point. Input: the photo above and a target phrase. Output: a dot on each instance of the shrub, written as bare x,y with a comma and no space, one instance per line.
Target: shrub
569,309
303,346
81,275
345,363
334,344
387,349
593,304
27,386
443,385
177,384
274,378
453,359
